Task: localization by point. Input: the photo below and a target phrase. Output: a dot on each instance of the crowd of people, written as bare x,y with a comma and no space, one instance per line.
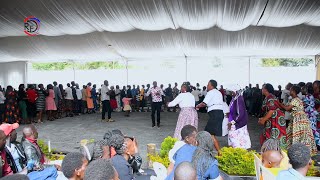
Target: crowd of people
290,117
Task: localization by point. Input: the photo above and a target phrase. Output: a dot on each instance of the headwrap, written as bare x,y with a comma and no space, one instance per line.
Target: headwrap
203,157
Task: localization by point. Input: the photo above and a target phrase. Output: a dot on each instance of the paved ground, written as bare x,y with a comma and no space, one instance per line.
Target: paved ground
65,134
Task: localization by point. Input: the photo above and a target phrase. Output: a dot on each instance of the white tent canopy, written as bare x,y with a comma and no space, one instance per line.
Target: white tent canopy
133,29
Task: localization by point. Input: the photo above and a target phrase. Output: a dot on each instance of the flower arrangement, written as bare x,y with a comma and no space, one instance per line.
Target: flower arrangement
163,156
45,149
236,161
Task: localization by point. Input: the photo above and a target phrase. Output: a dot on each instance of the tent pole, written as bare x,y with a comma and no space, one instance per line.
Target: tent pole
25,79
249,74
74,71
127,72
186,63
317,60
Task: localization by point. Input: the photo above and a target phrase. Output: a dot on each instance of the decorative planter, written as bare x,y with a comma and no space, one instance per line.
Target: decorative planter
226,176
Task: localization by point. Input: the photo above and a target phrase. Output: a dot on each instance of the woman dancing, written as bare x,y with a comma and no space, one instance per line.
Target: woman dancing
188,115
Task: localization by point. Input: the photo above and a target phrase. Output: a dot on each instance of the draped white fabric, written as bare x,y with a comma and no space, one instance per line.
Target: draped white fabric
139,29
12,73
135,45
60,17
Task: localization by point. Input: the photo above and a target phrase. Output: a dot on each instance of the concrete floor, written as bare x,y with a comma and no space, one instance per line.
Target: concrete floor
65,134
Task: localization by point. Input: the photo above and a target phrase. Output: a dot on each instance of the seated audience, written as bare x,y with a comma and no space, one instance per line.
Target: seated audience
300,159
185,171
35,157
203,158
271,159
185,152
15,155
188,135
96,150
135,159
101,169
74,165
120,160
6,169
274,145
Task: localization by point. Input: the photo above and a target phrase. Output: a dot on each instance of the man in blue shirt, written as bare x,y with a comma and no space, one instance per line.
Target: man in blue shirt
300,159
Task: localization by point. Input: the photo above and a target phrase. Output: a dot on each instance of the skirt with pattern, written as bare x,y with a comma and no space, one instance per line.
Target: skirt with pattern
187,116
299,131
239,138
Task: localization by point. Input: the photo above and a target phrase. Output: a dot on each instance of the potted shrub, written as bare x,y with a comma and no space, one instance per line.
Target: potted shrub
163,157
235,162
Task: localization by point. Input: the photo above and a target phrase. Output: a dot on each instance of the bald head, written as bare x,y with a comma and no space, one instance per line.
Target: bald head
185,171
271,159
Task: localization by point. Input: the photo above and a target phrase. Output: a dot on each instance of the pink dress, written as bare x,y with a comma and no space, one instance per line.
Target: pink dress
50,103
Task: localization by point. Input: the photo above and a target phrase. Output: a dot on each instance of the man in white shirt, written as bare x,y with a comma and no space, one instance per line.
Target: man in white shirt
79,99
2,106
196,93
105,99
214,102
69,100
156,94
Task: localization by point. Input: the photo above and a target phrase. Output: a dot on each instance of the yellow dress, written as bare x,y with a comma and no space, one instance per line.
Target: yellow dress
89,99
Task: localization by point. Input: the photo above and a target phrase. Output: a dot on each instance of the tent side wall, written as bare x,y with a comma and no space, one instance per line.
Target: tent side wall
13,73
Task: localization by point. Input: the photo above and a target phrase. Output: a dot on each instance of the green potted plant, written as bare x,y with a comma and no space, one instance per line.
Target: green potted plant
163,157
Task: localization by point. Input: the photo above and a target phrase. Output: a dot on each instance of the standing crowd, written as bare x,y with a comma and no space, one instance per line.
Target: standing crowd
289,117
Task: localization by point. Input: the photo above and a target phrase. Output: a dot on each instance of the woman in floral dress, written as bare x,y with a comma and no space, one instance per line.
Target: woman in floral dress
312,113
12,113
273,120
299,129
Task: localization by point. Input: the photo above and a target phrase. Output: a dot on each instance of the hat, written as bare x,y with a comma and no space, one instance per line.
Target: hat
8,128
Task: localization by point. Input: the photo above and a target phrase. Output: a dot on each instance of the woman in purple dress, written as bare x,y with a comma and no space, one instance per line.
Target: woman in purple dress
238,118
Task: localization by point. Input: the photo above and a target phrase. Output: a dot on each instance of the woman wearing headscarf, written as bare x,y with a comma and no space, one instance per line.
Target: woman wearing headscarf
273,121
238,119
188,115
203,158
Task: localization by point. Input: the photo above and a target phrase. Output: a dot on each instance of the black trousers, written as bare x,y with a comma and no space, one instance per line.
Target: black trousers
156,106
80,108
106,107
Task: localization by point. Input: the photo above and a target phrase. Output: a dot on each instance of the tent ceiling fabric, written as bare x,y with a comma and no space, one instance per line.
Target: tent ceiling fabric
60,17
83,29
252,41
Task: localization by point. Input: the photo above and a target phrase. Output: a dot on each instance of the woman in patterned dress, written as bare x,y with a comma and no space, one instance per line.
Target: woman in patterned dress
273,120
12,112
316,95
312,113
299,129
41,102
61,103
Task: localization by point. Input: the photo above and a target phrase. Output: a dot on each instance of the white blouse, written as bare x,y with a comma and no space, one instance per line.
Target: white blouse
184,100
